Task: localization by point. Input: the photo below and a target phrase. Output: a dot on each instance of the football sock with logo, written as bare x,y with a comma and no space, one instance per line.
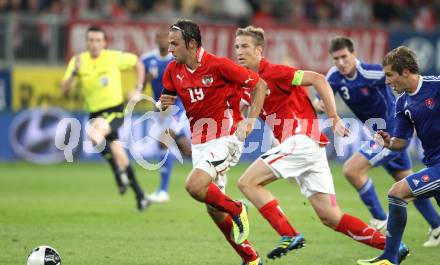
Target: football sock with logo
272,212
133,182
107,155
360,231
217,199
166,169
245,249
395,227
369,197
428,211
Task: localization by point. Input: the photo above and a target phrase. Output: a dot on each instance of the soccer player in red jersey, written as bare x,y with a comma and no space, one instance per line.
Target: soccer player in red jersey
205,83
301,154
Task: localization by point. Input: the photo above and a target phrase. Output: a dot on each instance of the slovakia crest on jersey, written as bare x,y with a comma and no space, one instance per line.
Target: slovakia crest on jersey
365,91
430,103
207,80
425,178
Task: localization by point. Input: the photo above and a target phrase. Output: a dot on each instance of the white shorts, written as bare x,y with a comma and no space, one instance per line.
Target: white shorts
301,158
217,156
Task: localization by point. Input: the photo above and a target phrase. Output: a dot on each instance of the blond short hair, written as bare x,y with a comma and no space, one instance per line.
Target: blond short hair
256,33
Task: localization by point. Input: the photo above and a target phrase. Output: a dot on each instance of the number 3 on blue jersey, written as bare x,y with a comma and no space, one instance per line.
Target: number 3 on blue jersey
345,93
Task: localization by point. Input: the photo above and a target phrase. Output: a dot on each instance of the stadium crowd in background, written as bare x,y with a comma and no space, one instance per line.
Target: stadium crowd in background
420,14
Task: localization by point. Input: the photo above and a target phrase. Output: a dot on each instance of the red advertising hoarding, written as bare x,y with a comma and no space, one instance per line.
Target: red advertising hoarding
305,48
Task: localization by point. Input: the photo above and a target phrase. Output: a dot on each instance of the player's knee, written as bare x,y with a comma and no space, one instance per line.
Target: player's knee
351,173
96,139
241,184
190,188
244,183
348,171
396,190
194,189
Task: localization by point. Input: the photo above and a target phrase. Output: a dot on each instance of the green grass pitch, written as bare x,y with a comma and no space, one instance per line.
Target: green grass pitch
75,208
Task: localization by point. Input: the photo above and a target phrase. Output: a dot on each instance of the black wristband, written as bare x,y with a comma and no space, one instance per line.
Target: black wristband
169,92
74,72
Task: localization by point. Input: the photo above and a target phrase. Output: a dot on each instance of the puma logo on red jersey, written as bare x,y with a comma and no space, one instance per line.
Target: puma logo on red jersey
180,78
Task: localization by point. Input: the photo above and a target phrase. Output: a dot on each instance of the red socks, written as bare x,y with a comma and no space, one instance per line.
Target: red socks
360,231
245,249
217,199
277,219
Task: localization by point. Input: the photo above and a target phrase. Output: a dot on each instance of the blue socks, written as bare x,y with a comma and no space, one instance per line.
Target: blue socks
166,170
428,211
395,227
370,199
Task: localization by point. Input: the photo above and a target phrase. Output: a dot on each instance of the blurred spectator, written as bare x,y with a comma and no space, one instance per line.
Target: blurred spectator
326,13
4,6
165,8
114,10
355,12
15,5
237,8
436,11
419,14
424,19
385,11
134,8
263,13
31,6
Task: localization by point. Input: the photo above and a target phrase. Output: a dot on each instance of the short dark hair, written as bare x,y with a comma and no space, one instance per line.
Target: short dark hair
96,28
189,29
340,43
402,58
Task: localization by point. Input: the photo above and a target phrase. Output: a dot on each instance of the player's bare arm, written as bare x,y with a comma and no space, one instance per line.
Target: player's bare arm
392,143
318,104
140,80
67,85
258,94
322,86
140,73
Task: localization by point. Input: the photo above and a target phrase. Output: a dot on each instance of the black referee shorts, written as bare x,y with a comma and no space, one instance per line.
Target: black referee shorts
114,116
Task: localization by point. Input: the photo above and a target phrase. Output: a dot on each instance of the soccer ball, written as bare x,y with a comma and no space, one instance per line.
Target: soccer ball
44,255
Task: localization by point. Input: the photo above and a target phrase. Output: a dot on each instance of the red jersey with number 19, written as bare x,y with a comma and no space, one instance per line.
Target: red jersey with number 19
287,109
207,93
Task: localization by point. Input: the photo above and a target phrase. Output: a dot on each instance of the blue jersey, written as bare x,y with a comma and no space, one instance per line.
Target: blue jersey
421,111
365,94
155,65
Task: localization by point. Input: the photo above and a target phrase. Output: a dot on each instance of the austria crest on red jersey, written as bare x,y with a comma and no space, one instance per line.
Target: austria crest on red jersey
207,80
430,103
